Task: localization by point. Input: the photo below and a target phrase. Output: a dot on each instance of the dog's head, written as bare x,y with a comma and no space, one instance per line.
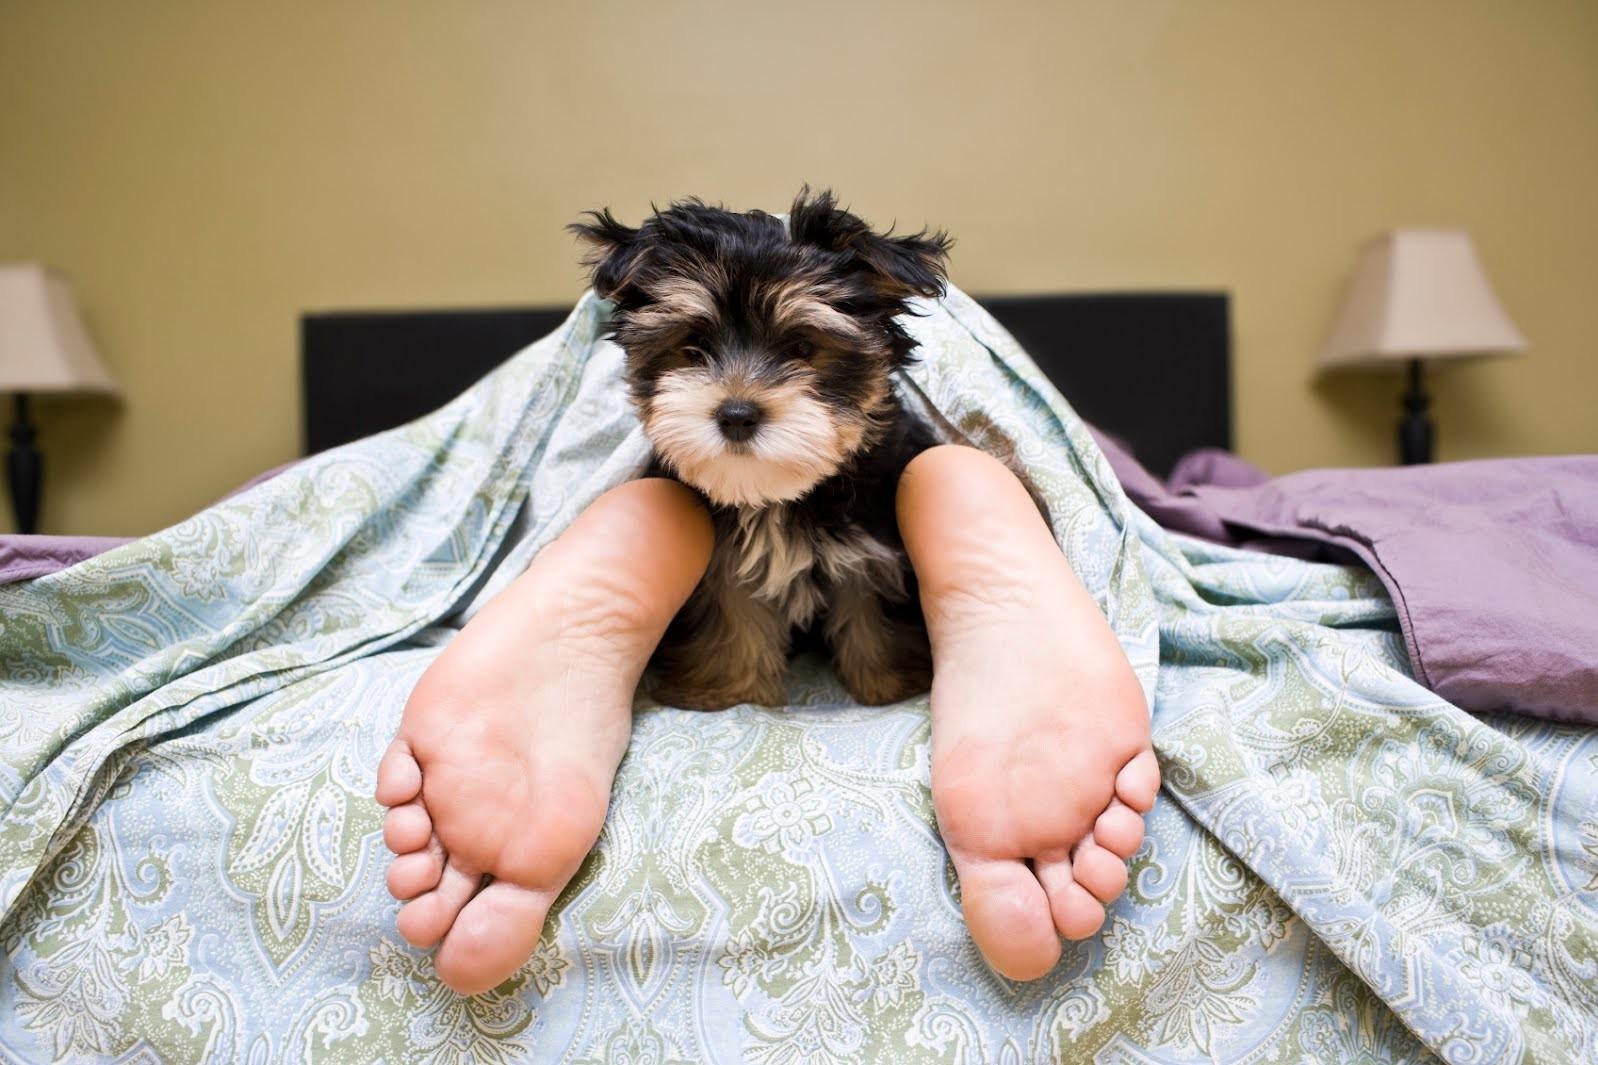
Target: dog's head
759,352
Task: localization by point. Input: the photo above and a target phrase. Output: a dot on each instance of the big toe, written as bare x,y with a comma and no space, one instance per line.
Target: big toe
493,936
1008,916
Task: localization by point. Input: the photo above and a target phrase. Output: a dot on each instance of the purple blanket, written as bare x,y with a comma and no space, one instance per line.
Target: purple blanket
23,558
1493,566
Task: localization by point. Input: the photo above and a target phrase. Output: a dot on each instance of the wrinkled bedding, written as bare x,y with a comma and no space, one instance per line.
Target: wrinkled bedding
1341,865
1492,566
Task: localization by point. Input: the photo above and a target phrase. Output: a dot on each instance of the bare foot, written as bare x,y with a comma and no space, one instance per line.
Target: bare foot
498,779
1041,761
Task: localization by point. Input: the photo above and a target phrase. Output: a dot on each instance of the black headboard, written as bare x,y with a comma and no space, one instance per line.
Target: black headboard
1151,368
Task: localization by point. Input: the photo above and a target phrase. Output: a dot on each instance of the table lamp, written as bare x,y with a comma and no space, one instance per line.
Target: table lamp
43,348
1417,294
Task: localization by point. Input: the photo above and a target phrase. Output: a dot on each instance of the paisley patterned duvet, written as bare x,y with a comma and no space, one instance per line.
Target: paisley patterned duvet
1341,867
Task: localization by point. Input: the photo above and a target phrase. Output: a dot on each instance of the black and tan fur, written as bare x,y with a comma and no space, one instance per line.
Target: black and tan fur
760,356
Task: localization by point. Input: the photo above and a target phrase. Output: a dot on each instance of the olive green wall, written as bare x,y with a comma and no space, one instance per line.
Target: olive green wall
203,172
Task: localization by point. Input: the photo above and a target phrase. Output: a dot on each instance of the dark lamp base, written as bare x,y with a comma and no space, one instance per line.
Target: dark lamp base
1415,430
24,469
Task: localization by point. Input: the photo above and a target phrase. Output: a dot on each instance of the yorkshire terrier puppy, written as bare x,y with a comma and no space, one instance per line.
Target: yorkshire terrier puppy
760,355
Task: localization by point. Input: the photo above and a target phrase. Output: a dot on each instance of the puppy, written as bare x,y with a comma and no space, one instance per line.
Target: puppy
760,355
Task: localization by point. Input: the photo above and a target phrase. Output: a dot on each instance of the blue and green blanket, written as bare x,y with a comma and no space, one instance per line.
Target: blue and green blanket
1341,865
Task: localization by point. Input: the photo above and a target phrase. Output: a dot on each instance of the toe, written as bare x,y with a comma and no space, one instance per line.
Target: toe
1138,781
407,828
1076,913
496,932
399,778
1119,829
411,874
1102,873
1008,915
424,920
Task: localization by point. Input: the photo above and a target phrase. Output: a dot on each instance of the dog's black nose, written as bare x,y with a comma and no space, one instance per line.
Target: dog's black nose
738,419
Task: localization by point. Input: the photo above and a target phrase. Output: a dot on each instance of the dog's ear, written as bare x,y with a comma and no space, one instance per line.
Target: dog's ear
613,254
898,267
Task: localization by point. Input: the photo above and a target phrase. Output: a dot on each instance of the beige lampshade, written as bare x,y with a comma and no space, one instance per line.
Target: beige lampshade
1418,293
43,345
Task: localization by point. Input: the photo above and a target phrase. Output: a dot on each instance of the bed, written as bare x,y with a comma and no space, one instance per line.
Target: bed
1342,865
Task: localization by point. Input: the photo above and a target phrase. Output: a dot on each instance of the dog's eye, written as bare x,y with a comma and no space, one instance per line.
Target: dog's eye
800,349
694,347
